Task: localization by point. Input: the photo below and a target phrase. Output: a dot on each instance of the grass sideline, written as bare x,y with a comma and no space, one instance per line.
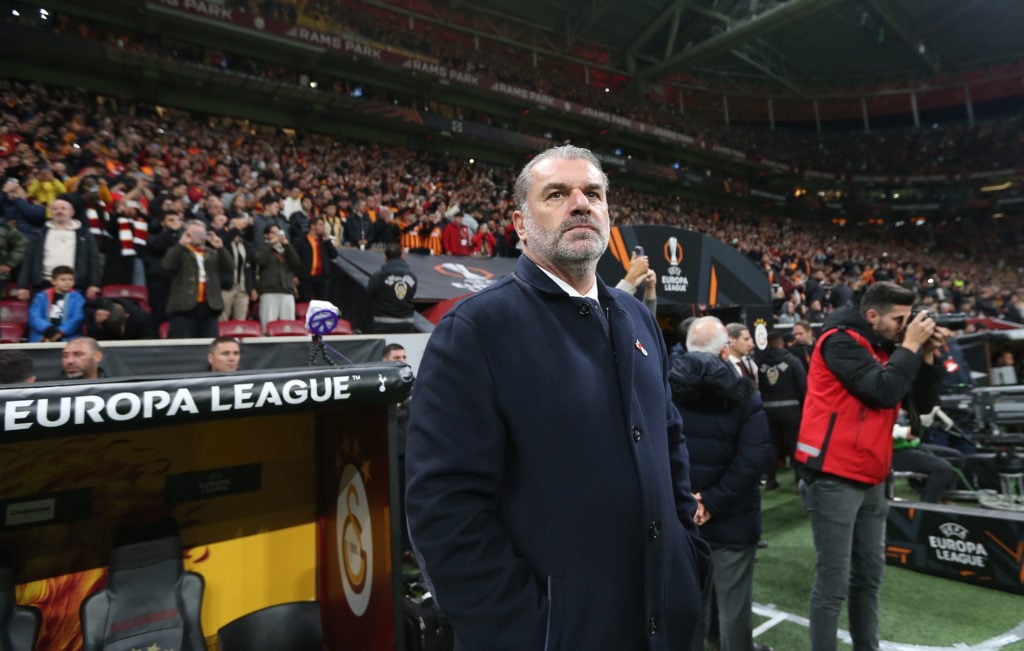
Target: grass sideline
917,610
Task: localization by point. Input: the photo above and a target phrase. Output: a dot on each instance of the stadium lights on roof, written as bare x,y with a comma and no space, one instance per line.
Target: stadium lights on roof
999,187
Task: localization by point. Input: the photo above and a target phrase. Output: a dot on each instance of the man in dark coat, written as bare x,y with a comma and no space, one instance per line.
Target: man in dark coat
548,481
729,446
195,299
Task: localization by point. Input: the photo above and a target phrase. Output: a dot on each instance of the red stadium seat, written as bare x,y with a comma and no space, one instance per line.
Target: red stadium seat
164,329
286,327
301,309
343,328
12,311
137,293
11,333
240,329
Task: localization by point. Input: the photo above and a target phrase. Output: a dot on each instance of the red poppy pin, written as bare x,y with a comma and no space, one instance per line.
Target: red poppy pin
640,347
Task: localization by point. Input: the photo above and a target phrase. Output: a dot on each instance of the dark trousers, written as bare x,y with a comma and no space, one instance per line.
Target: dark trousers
199,322
315,287
936,462
784,425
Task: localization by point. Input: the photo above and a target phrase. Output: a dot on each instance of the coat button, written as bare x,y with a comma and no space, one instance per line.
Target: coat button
636,433
654,530
652,626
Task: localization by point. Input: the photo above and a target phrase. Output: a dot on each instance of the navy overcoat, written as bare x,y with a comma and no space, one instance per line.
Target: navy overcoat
548,493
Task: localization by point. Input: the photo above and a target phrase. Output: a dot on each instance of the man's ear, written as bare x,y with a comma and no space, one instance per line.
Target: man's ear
519,222
872,316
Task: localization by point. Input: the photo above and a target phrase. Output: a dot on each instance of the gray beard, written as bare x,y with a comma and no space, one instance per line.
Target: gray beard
575,264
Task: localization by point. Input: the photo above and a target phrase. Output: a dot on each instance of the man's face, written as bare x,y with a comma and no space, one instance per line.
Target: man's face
63,283
802,335
197,233
61,212
271,235
743,344
172,222
319,228
889,325
225,357
567,224
396,355
80,361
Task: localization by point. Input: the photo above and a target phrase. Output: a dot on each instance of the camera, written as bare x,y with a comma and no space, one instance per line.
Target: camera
951,321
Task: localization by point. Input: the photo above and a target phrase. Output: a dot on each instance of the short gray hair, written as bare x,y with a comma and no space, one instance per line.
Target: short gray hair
567,152
706,335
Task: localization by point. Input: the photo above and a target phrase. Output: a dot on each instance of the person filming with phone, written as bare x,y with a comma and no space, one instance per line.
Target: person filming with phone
195,265
640,275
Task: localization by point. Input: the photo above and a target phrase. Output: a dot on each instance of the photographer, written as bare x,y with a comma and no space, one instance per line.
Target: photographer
866,362
196,264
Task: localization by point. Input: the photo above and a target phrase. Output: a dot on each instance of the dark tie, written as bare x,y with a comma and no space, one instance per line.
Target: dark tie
591,306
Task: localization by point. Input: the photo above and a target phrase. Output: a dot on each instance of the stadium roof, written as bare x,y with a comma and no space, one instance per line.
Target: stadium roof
787,47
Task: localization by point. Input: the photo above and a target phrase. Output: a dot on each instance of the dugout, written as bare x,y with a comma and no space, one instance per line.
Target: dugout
280,484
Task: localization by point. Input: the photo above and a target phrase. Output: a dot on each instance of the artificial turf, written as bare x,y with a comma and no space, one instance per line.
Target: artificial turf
918,611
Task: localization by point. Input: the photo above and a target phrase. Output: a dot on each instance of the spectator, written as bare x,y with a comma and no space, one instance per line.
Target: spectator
195,265
117,319
315,253
159,279
57,313
28,217
456,239
12,250
130,234
62,243
271,216
225,354
81,360
391,290
15,367
276,264
236,287
358,227
729,448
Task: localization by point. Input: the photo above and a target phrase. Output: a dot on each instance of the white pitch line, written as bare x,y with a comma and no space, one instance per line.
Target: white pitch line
776,616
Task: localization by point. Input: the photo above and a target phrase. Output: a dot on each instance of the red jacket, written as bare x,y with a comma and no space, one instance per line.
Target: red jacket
456,239
839,434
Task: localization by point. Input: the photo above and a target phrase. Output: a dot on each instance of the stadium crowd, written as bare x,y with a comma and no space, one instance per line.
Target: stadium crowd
135,175
939,149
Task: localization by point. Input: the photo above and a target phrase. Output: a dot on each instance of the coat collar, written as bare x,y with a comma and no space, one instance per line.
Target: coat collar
528,272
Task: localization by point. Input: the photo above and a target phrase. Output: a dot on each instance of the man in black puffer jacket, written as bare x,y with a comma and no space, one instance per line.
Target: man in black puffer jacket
729,445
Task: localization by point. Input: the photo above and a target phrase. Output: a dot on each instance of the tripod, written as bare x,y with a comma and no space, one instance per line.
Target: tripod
317,348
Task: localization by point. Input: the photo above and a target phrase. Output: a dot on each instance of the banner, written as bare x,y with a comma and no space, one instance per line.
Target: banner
692,268
33,411
973,545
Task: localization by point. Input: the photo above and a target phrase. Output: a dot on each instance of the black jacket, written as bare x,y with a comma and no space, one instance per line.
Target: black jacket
729,445
904,376
87,261
392,289
781,376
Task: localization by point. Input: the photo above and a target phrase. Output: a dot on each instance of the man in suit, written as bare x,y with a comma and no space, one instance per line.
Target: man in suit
548,485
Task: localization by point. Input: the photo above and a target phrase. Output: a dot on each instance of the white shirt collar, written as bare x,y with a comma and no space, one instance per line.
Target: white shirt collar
569,289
